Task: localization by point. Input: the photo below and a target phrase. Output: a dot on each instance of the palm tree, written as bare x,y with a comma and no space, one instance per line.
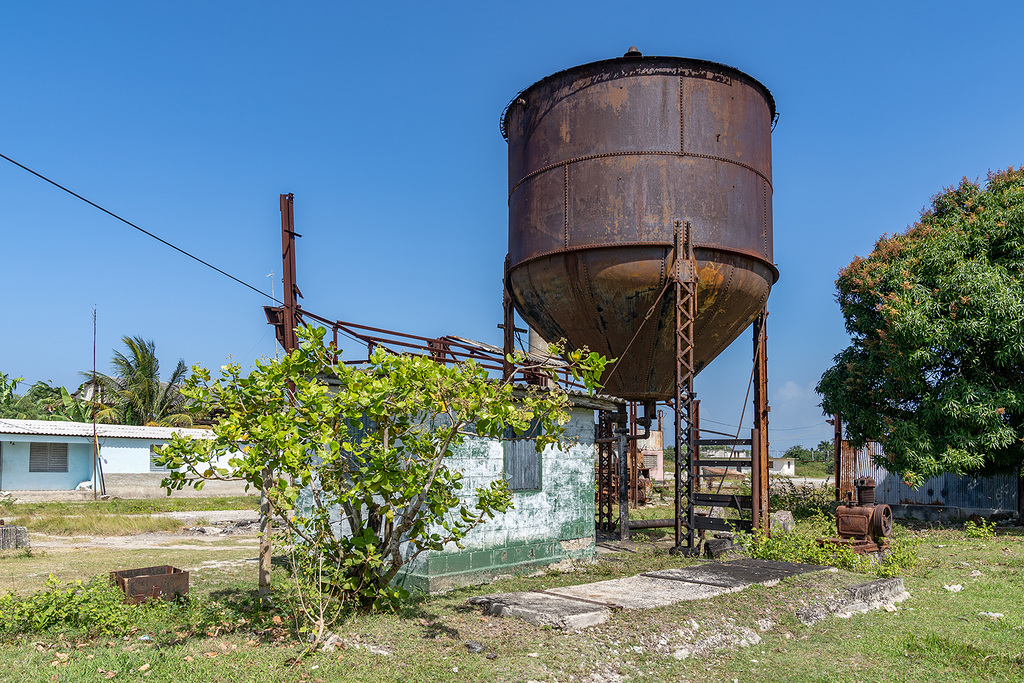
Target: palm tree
134,395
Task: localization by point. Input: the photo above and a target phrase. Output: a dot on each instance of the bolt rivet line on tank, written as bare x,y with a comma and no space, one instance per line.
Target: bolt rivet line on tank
682,129
764,214
605,155
666,245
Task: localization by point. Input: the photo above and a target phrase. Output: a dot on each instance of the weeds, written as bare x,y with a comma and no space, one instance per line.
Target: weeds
801,545
804,501
95,607
980,529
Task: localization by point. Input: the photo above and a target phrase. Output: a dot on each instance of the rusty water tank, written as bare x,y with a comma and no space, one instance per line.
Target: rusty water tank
603,159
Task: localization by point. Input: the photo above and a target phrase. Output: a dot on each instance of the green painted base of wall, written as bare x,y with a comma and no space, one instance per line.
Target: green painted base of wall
444,571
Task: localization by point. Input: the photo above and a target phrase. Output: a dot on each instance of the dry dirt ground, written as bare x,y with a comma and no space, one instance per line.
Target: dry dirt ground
208,543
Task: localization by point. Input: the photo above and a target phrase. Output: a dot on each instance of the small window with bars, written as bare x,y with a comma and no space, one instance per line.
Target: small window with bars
522,461
48,457
154,453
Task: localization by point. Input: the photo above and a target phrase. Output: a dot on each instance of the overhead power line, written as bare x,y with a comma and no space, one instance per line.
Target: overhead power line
140,229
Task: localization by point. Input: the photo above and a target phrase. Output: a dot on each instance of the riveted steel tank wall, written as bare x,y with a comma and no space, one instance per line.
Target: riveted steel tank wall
604,158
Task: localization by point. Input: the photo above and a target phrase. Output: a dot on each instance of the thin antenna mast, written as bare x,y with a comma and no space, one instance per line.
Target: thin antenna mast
95,440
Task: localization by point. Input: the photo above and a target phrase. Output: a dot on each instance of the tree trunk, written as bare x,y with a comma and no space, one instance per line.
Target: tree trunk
266,513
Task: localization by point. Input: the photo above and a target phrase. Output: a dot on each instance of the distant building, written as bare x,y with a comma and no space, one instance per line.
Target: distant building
785,467
43,455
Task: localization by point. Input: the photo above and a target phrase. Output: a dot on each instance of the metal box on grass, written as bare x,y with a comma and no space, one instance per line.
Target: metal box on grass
163,582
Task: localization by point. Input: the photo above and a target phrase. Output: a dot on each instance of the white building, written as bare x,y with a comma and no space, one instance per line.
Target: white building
44,455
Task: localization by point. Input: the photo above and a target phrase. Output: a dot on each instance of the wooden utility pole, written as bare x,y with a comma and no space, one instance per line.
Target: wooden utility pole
286,322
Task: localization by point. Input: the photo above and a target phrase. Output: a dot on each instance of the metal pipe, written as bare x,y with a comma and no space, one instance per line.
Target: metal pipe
651,523
644,422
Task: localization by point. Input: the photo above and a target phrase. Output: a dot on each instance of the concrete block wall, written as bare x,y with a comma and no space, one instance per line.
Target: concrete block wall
547,526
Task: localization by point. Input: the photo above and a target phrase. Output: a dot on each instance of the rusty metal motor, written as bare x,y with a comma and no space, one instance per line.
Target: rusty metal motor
862,523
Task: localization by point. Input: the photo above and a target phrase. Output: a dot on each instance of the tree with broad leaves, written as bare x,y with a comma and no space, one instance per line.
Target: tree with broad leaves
935,370
353,458
133,394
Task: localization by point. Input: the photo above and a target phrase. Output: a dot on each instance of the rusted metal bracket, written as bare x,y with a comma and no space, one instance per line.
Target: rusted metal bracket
622,447
605,428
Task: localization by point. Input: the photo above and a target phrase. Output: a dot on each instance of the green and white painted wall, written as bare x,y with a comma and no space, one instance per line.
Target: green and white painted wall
550,524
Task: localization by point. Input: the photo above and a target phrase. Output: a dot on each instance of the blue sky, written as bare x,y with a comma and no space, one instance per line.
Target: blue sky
190,118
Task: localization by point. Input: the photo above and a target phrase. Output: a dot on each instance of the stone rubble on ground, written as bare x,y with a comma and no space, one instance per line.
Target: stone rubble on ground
12,536
723,635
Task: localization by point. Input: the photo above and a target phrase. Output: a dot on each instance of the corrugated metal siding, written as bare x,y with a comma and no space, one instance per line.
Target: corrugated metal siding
997,492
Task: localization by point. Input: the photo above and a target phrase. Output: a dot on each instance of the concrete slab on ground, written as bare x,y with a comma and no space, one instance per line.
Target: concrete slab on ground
589,604
543,609
639,592
737,574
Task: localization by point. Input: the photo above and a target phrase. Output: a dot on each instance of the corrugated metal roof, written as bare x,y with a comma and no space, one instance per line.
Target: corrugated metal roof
57,428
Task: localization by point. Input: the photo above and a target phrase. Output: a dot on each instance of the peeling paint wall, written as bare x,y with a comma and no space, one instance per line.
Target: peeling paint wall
548,526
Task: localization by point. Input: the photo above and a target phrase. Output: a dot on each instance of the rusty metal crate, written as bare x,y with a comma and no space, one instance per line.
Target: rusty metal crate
163,582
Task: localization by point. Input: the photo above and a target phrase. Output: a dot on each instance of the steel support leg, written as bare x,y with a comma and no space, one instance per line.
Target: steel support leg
621,430
508,320
759,437
685,285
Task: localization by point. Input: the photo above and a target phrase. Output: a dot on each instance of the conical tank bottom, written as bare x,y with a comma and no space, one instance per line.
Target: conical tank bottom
599,298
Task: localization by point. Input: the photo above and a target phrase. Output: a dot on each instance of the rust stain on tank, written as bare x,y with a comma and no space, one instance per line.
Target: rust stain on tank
710,278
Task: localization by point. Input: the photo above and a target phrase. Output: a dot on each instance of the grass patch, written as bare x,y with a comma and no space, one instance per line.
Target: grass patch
94,522
139,506
815,469
222,635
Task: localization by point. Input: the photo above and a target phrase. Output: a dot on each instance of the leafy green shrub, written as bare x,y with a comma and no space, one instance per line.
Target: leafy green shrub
95,607
902,555
981,529
801,545
357,472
